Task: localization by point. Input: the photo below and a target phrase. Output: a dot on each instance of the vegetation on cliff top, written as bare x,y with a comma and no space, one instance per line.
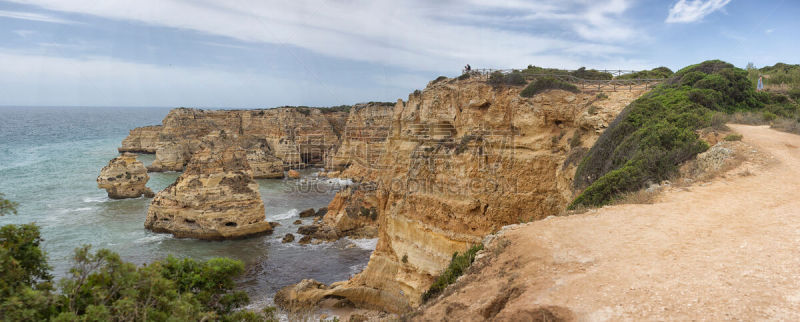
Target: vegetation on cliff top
655,73
102,287
542,84
458,265
655,133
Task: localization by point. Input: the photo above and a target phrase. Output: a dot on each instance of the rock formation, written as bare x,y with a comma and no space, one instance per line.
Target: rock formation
363,139
275,139
124,177
215,198
141,140
462,159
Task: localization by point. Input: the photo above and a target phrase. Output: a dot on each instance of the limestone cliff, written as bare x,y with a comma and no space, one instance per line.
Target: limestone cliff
124,177
215,198
463,159
294,136
363,139
141,140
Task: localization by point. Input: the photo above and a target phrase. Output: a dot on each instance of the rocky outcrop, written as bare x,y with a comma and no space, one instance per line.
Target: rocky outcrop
274,139
462,159
215,198
141,140
124,177
353,212
264,164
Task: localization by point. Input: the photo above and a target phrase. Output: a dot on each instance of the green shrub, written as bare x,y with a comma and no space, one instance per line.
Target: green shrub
794,93
576,139
769,116
102,287
733,137
579,73
602,96
655,73
513,78
546,83
458,265
591,74
654,134
405,258
7,207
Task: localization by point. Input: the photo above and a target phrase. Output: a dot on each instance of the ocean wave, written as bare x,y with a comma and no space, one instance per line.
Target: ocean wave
157,238
337,181
95,199
285,215
367,243
355,269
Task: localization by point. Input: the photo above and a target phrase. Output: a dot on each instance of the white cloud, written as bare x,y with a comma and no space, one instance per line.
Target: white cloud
685,11
33,17
24,33
35,79
416,35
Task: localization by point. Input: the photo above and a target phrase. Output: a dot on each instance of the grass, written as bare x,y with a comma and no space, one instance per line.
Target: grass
458,265
733,137
547,83
638,197
656,133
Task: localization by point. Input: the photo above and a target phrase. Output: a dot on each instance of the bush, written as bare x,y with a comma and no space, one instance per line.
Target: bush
579,73
654,134
591,74
602,96
733,137
7,207
576,139
546,83
102,287
513,78
655,73
794,93
458,265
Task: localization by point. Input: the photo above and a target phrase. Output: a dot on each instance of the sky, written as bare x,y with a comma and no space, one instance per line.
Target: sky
264,53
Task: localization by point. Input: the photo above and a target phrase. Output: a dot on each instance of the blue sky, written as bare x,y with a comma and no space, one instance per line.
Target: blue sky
248,54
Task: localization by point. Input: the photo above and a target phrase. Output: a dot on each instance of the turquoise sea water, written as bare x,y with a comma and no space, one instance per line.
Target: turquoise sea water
51,156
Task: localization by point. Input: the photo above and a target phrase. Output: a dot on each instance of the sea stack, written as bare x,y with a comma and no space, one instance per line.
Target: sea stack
124,177
215,198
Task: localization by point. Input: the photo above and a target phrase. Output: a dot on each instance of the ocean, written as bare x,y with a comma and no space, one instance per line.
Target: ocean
50,158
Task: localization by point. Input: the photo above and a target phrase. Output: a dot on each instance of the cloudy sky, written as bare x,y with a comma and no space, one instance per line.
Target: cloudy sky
249,53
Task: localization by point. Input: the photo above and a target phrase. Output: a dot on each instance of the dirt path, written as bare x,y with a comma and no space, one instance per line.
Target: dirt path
726,250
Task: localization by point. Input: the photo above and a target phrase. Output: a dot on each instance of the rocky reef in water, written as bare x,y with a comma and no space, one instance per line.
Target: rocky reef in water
124,177
462,159
215,198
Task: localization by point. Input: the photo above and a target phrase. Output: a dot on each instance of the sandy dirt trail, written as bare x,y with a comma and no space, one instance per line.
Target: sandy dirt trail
728,250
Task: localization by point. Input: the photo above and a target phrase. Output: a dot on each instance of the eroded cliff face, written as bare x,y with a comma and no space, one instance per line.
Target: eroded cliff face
296,137
124,177
141,140
363,139
463,159
215,198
